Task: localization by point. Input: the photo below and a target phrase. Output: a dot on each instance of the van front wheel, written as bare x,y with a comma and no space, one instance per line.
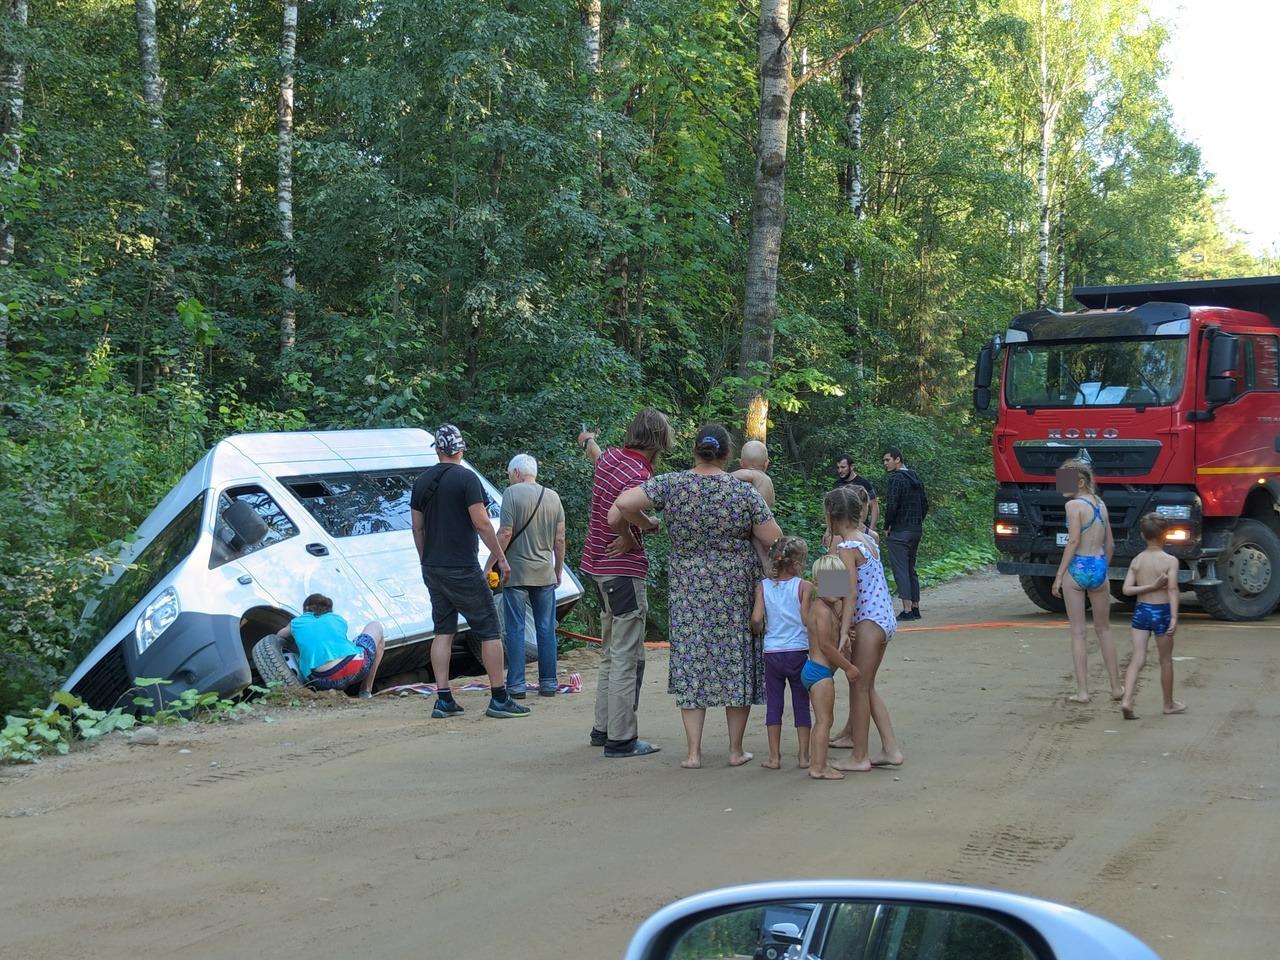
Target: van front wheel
272,666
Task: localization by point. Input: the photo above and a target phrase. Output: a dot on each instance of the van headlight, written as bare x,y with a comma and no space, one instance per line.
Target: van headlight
156,618
1177,511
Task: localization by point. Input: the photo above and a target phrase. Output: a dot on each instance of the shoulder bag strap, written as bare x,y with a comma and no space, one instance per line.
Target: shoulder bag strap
525,525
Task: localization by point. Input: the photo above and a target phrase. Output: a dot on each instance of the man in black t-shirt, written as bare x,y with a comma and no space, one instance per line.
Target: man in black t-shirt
847,473
449,520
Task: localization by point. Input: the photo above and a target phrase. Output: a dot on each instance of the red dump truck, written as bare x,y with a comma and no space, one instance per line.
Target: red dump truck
1172,390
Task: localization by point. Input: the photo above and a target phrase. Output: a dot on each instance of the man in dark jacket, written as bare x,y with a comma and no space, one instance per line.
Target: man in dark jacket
906,506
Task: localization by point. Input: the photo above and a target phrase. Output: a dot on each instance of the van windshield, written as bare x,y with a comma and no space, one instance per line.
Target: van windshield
156,561
1097,373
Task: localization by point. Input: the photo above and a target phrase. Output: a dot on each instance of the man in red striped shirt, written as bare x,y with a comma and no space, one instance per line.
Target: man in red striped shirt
617,562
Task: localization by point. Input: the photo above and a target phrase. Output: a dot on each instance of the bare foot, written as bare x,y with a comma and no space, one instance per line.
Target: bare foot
883,759
853,766
804,763
1176,708
738,759
692,763
773,763
1127,713
826,773
844,743
1117,694
1079,698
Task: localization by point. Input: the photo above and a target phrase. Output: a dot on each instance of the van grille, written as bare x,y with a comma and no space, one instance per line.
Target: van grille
106,682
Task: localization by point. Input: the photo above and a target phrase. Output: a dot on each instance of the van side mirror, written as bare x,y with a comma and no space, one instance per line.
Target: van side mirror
249,528
982,378
1224,358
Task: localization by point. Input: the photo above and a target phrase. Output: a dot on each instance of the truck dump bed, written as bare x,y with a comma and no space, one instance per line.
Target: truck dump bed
1257,294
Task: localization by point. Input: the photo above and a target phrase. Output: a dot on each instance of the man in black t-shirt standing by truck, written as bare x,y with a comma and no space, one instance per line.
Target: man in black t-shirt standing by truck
449,520
906,506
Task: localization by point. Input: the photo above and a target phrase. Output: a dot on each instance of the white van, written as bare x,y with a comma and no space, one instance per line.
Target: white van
259,523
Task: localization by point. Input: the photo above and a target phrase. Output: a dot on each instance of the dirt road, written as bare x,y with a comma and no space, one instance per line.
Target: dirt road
371,829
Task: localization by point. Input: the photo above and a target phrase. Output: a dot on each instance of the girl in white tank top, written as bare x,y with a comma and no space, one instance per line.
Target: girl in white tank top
779,612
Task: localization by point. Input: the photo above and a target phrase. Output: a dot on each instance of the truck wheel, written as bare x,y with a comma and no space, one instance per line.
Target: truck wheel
270,662
1039,590
1250,572
530,638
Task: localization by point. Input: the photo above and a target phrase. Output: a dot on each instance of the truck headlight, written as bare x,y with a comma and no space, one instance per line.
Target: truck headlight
156,618
1178,511
1007,508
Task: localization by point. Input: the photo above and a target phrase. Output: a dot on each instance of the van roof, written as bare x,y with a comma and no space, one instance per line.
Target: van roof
278,448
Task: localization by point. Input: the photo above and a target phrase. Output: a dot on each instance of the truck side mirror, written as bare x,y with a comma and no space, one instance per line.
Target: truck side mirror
1224,353
982,378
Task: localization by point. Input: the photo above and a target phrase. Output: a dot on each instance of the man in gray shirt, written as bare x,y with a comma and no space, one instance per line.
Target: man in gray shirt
531,533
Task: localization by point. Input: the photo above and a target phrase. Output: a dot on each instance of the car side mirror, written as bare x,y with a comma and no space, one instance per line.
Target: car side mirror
983,371
250,529
854,918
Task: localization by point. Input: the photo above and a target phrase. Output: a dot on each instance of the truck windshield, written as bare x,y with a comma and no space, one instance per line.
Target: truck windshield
1097,373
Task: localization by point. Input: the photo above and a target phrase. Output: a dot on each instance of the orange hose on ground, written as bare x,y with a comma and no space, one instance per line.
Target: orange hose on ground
655,645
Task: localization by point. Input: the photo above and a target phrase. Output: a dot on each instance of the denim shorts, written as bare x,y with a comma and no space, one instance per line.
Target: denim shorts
349,670
1152,617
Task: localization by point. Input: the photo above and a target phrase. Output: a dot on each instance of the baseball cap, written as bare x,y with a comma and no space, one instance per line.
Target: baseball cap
449,440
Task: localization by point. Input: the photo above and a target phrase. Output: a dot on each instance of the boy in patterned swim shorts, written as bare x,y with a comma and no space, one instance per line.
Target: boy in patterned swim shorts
1154,574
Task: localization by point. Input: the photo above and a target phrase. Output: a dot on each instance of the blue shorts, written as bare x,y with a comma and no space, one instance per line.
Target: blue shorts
1152,617
1089,573
812,673
349,670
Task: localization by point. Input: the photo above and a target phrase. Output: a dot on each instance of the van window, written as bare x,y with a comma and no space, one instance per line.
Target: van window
156,561
355,504
227,546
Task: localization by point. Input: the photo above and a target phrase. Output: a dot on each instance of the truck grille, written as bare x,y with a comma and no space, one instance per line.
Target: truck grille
1111,458
106,682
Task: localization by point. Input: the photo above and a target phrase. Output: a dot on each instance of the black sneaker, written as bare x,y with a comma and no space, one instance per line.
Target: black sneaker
446,709
598,737
516,694
506,710
641,748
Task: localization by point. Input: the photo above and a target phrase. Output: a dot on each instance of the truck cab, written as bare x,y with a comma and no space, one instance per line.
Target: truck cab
1172,391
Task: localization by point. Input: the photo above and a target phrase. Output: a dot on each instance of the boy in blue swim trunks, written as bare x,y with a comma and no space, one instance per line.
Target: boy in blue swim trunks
1153,574
825,620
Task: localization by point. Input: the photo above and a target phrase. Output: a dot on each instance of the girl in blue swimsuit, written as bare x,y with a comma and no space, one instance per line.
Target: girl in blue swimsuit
1083,572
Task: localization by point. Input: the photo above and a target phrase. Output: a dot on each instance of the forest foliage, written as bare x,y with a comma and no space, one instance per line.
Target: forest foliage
520,215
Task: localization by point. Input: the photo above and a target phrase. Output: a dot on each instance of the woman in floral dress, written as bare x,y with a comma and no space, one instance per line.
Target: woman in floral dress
719,528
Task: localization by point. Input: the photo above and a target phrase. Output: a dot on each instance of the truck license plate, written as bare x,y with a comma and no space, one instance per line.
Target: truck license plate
1062,539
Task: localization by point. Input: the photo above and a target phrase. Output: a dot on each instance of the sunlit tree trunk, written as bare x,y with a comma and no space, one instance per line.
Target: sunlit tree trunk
760,305
284,174
153,98
12,90
1048,115
1062,251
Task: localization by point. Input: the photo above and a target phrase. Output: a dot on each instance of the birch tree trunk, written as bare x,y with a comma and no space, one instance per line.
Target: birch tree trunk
591,50
1048,113
760,305
153,97
284,174
12,89
854,192
768,210
1062,250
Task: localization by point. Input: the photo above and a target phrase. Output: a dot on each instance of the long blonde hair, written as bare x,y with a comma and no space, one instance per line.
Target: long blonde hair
1086,471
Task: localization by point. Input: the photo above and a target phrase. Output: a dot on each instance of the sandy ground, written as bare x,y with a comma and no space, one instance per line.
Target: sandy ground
371,829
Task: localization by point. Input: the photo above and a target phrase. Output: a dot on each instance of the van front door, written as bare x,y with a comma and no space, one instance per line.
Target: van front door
294,559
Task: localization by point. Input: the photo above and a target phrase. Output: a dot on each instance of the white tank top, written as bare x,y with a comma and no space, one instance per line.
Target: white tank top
784,628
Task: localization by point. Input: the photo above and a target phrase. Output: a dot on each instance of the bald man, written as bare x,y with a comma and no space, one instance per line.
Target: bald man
753,462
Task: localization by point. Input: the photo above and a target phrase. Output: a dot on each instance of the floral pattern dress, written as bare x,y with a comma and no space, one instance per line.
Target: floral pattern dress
711,575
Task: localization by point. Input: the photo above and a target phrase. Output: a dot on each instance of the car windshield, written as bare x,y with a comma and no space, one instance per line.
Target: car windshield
156,561
1098,373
